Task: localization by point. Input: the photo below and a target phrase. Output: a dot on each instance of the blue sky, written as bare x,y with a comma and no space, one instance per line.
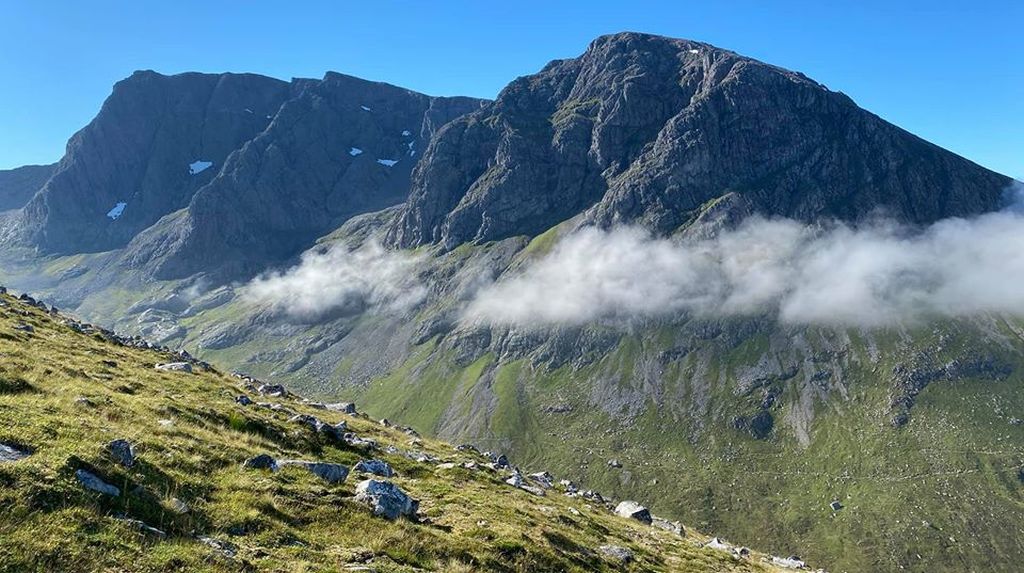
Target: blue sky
953,74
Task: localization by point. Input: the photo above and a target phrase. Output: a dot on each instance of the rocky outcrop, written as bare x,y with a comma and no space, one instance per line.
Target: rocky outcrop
648,129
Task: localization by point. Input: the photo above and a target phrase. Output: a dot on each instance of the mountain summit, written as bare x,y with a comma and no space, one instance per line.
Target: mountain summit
644,128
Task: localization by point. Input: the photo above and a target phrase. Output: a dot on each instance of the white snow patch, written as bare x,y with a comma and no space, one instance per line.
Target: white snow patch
117,210
270,117
355,151
411,150
365,108
197,167
247,110
406,133
387,162
694,51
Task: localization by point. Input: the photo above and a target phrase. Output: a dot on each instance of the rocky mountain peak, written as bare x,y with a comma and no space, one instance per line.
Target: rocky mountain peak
646,129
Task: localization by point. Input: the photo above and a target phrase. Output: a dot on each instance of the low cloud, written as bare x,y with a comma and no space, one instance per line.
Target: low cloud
876,275
342,281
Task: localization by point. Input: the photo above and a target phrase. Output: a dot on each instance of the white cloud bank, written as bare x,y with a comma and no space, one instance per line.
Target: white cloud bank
340,280
870,276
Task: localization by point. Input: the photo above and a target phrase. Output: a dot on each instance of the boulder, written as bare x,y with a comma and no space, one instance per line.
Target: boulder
673,526
345,407
122,452
24,327
835,506
544,479
89,480
620,554
633,510
9,453
175,367
792,562
375,467
331,473
260,462
272,390
386,499
614,464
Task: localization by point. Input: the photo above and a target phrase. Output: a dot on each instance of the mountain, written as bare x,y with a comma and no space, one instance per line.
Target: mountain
342,147
176,467
647,129
144,155
602,205
18,185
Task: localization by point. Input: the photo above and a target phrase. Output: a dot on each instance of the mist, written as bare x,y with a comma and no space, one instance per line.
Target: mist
875,275
340,280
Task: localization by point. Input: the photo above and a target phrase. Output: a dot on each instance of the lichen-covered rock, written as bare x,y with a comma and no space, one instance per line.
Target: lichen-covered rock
91,481
10,453
122,452
331,473
260,462
633,510
386,499
375,467
620,554
175,367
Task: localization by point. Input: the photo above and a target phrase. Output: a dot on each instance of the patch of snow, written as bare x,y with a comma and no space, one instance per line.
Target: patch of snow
270,117
406,133
365,108
117,210
355,151
247,110
387,162
411,150
197,167
694,51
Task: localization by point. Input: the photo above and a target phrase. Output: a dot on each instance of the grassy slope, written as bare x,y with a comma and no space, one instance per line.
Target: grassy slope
940,494
285,521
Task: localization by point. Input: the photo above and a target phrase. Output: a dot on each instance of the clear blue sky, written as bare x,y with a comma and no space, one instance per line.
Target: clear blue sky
951,72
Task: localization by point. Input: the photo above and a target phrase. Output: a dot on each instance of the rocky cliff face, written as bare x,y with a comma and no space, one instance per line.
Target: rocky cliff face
341,147
646,129
17,186
155,142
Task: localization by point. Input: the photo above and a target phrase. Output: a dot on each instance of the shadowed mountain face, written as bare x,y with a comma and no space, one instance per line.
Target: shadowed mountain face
155,142
646,129
18,185
342,147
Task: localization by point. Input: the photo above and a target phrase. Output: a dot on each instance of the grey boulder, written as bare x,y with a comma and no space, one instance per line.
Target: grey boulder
330,473
633,510
375,467
386,499
89,480
122,452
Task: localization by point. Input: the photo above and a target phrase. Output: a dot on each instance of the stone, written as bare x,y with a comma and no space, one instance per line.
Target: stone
331,473
386,499
243,400
175,367
225,547
544,479
375,467
835,506
633,510
89,480
613,463
792,562
260,462
275,390
24,327
122,452
10,453
344,407
142,526
673,526
620,554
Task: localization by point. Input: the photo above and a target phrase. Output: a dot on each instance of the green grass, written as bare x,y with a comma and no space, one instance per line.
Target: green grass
191,437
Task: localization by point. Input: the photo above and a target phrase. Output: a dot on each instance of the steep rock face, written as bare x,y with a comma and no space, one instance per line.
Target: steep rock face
148,151
17,186
646,129
343,146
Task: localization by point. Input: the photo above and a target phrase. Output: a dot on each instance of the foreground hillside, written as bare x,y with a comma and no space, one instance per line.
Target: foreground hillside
169,448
